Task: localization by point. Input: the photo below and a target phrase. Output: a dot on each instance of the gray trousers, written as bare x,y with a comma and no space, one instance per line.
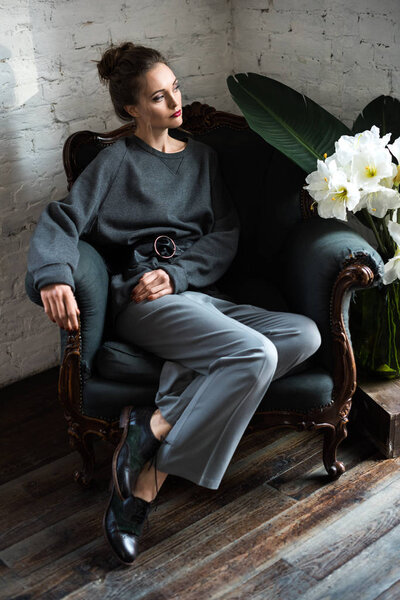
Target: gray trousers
220,358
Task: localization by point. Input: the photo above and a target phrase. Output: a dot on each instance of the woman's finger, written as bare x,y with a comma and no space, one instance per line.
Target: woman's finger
151,290
72,311
144,281
154,287
54,310
158,288
152,283
62,311
146,285
47,308
163,292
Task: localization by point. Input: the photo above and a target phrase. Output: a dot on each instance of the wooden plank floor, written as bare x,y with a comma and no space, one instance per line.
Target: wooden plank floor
275,529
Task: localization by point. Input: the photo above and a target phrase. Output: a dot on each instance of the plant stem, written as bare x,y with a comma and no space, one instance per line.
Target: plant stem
390,245
374,229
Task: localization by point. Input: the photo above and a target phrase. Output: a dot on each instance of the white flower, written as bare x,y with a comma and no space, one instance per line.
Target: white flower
372,137
318,181
344,151
341,195
378,200
371,165
391,269
360,174
389,181
395,149
394,229
368,144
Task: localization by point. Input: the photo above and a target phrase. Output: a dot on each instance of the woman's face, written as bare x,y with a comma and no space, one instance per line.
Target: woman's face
159,98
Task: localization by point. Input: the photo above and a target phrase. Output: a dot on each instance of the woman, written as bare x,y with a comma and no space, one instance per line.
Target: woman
161,206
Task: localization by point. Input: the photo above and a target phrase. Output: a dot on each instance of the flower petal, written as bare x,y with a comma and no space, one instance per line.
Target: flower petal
391,270
394,230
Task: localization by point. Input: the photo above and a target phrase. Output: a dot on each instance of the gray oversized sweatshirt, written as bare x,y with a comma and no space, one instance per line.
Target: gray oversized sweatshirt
132,191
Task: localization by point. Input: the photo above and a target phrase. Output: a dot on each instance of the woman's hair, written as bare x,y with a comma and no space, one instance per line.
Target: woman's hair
122,68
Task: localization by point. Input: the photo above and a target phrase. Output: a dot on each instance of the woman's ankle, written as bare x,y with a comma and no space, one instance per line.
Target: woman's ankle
147,496
146,485
145,488
159,426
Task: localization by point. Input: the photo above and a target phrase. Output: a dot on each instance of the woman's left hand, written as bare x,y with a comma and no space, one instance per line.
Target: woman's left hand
152,285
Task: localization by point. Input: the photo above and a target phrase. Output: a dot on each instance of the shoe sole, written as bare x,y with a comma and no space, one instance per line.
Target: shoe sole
129,564
124,424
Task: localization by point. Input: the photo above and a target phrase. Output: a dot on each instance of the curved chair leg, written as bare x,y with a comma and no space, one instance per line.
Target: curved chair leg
333,436
84,445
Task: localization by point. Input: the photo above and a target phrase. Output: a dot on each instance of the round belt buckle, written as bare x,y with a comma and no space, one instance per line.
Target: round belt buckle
164,246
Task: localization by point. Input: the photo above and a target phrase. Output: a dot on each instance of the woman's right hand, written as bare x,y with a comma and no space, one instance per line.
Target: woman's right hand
60,305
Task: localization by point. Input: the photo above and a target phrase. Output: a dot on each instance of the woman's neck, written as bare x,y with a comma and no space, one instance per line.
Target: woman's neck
160,140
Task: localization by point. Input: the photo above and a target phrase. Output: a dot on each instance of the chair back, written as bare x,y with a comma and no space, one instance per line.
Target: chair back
265,187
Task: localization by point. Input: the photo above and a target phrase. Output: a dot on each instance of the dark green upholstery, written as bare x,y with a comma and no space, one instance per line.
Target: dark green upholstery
115,360
318,250
282,263
313,388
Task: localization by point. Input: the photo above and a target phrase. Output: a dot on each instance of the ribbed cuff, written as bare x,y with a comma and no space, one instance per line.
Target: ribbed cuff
57,273
178,277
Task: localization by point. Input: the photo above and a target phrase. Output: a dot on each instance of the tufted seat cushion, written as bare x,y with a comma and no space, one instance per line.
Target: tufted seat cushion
105,398
128,363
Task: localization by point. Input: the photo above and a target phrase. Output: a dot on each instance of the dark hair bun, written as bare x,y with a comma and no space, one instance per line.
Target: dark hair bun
110,60
122,68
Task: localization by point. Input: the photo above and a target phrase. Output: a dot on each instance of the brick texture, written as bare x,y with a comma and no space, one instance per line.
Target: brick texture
341,54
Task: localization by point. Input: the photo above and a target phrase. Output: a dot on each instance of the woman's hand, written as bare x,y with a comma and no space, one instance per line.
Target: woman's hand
60,305
152,285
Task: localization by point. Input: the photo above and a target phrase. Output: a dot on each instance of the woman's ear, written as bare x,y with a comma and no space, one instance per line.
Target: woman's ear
131,110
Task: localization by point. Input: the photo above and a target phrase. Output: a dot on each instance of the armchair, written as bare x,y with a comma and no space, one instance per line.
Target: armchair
288,259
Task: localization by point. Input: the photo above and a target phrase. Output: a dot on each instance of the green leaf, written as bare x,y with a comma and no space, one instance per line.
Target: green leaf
384,112
289,121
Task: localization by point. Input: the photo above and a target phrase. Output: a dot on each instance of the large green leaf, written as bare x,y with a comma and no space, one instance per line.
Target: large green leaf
384,112
287,120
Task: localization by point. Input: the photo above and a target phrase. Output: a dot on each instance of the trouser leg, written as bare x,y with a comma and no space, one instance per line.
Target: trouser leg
220,371
236,365
296,337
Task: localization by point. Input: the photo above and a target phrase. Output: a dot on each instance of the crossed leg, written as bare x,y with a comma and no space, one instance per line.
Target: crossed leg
220,359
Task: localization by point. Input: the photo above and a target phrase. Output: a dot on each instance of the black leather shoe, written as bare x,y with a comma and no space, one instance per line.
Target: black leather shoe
137,445
123,524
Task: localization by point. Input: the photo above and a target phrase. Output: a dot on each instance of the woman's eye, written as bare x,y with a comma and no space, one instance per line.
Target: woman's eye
156,98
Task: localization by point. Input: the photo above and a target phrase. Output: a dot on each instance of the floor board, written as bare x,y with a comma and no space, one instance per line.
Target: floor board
277,528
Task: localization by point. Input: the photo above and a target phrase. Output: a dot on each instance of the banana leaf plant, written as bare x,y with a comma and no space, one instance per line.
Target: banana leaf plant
384,112
289,121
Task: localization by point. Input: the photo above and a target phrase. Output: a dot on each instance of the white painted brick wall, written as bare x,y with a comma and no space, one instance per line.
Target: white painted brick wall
342,54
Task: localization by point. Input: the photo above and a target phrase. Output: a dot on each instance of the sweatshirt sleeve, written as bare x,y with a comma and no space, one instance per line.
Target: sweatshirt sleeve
53,252
209,257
